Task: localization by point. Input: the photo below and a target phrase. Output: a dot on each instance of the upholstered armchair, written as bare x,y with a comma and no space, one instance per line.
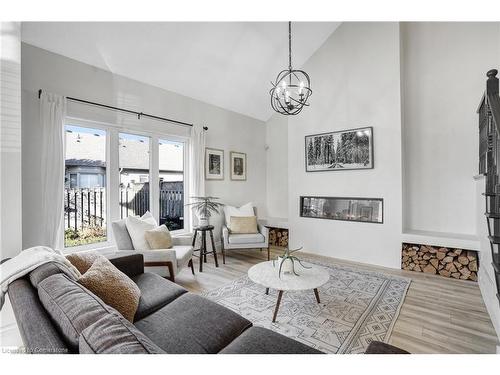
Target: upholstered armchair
258,240
164,262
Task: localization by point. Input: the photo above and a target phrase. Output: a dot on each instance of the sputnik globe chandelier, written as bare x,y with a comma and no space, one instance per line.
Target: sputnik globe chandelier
292,88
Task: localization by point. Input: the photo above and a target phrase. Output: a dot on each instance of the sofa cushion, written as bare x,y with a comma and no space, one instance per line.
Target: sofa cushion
246,238
259,340
113,334
121,236
112,286
71,307
35,326
193,324
45,270
156,292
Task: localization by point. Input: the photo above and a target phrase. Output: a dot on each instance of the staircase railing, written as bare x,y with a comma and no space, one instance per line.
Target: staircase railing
489,164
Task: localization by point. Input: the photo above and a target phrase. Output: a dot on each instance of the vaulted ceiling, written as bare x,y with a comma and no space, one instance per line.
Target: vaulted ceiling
227,64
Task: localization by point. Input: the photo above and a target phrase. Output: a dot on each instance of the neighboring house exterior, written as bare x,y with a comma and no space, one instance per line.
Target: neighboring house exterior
86,165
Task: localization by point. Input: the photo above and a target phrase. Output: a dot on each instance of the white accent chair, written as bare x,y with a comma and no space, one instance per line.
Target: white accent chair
258,240
164,262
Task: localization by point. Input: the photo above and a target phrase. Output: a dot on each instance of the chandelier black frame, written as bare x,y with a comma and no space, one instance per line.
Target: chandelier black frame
292,88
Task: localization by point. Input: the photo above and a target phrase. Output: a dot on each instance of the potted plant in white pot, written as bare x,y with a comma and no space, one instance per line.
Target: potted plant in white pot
204,208
286,262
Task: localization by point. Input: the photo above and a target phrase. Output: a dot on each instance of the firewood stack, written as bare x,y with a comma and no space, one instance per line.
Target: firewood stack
278,237
456,263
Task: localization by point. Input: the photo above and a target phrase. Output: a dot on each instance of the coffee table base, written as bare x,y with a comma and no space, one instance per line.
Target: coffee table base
280,295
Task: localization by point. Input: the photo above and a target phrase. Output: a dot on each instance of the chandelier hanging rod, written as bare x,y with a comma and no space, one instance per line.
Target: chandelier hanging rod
290,46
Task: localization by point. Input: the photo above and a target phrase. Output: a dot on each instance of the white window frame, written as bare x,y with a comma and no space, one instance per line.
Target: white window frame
104,244
113,179
185,176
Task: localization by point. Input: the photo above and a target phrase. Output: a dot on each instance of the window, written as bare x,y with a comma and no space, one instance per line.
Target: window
134,154
171,175
98,155
85,190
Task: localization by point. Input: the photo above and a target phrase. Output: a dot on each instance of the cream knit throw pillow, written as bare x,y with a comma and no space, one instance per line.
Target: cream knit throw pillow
159,238
243,224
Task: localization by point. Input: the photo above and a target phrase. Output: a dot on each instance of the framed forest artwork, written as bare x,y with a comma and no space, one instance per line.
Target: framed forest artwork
340,150
214,164
238,166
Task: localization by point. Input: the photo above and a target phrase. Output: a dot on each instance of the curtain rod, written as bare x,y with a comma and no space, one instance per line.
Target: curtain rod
138,114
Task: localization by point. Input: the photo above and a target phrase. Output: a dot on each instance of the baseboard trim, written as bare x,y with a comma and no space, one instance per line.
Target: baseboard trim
487,288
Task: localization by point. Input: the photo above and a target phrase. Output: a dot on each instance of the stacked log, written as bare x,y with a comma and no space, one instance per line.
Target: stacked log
278,237
454,263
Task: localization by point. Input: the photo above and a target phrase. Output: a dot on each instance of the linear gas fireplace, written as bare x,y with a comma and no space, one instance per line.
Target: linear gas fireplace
367,210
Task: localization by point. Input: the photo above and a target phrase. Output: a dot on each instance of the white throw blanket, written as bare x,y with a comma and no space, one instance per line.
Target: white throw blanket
27,261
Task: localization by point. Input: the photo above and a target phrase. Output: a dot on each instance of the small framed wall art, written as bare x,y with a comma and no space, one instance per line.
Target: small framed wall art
214,164
238,166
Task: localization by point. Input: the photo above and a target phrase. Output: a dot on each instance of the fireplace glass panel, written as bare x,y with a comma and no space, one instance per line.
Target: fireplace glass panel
369,210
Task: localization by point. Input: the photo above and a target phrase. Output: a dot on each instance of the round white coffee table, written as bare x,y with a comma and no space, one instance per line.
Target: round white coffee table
266,275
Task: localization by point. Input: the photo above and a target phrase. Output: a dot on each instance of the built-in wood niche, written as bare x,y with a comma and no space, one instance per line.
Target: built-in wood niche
278,237
448,262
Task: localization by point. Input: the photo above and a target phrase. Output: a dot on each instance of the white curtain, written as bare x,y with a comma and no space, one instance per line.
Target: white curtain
197,164
52,115
197,161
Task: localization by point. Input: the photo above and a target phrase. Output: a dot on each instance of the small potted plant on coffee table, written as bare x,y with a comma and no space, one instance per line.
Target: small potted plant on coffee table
286,262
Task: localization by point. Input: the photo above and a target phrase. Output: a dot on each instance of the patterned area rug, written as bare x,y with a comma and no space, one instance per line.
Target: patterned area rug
356,307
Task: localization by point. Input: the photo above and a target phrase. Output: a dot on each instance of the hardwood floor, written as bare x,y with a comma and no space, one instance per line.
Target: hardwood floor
439,315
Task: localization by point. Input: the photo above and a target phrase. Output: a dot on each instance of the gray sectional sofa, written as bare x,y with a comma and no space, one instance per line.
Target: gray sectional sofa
55,314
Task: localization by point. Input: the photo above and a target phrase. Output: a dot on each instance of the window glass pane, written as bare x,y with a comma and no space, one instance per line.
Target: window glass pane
134,175
171,164
84,189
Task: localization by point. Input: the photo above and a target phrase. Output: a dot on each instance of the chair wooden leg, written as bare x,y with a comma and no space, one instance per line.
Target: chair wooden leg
171,271
223,251
190,264
268,254
168,264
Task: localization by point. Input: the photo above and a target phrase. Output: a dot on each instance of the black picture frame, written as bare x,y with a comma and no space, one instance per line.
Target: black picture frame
302,214
370,136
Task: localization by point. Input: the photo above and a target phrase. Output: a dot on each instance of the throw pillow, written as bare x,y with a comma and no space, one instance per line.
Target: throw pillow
83,261
244,224
159,238
137,228
245,210
149,218
112,286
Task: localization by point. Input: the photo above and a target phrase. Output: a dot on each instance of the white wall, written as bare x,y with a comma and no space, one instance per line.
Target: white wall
10,139
54,73
444,69
356,82
277,166
10,162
